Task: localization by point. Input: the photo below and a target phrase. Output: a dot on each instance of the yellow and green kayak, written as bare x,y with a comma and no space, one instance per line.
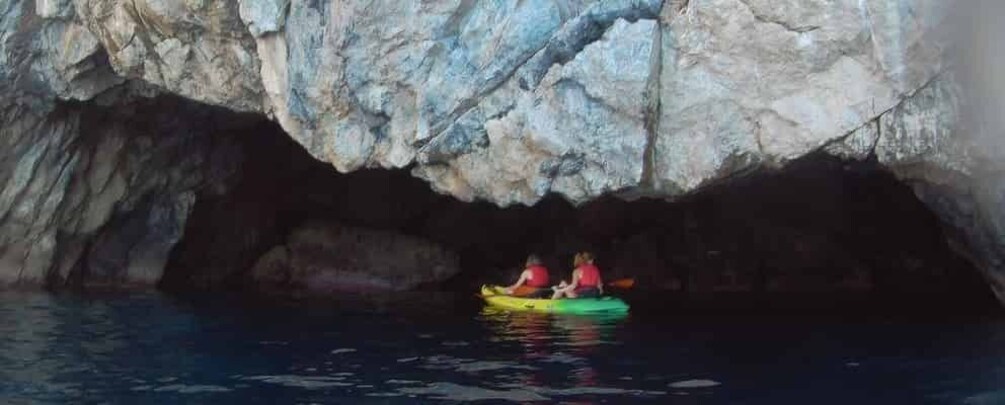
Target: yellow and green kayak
495,296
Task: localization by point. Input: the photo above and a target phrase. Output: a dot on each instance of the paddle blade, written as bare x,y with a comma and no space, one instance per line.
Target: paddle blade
622,283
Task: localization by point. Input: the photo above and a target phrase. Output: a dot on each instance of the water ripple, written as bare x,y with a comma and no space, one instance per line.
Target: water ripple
301,381
457,392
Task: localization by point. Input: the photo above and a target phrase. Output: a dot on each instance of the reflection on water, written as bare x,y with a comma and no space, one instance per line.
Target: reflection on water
536,330
564,341
148,348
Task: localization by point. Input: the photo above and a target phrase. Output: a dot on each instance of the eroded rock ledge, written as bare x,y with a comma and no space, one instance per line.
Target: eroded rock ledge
499,101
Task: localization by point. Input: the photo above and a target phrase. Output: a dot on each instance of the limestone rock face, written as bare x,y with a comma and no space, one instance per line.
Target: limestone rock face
324,257
100,196
580,132
499,101
510,101
927,142
751,83
196,49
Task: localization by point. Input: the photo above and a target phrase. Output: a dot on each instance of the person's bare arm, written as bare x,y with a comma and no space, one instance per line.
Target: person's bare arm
519,282
600,284
575,282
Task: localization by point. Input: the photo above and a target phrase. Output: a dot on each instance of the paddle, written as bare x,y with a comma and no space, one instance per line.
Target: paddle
622,283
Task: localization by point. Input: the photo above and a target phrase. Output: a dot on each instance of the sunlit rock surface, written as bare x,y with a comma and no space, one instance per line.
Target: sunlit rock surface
499,101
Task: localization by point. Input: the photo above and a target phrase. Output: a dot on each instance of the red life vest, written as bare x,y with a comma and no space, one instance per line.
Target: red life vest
589,276
538,276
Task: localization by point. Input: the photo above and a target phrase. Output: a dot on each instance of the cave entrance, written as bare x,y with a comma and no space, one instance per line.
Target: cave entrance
821,228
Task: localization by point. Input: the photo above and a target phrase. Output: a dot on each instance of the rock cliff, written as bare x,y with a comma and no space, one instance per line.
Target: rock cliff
499,101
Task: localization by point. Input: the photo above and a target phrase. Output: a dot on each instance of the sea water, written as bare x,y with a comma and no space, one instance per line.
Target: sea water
154,348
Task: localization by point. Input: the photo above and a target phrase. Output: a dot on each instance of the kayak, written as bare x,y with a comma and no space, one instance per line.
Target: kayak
495,296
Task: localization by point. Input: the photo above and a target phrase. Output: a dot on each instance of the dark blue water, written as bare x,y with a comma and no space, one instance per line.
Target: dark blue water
146,348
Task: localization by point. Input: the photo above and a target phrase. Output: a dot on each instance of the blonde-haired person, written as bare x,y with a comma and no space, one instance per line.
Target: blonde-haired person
586,281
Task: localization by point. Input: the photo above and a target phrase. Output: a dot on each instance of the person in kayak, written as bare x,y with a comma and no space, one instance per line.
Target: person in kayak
533,281
586,281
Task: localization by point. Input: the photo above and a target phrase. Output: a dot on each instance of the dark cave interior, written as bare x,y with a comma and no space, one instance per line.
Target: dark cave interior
819,229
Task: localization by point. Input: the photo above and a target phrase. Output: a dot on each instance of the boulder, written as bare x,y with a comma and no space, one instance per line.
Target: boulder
321,256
